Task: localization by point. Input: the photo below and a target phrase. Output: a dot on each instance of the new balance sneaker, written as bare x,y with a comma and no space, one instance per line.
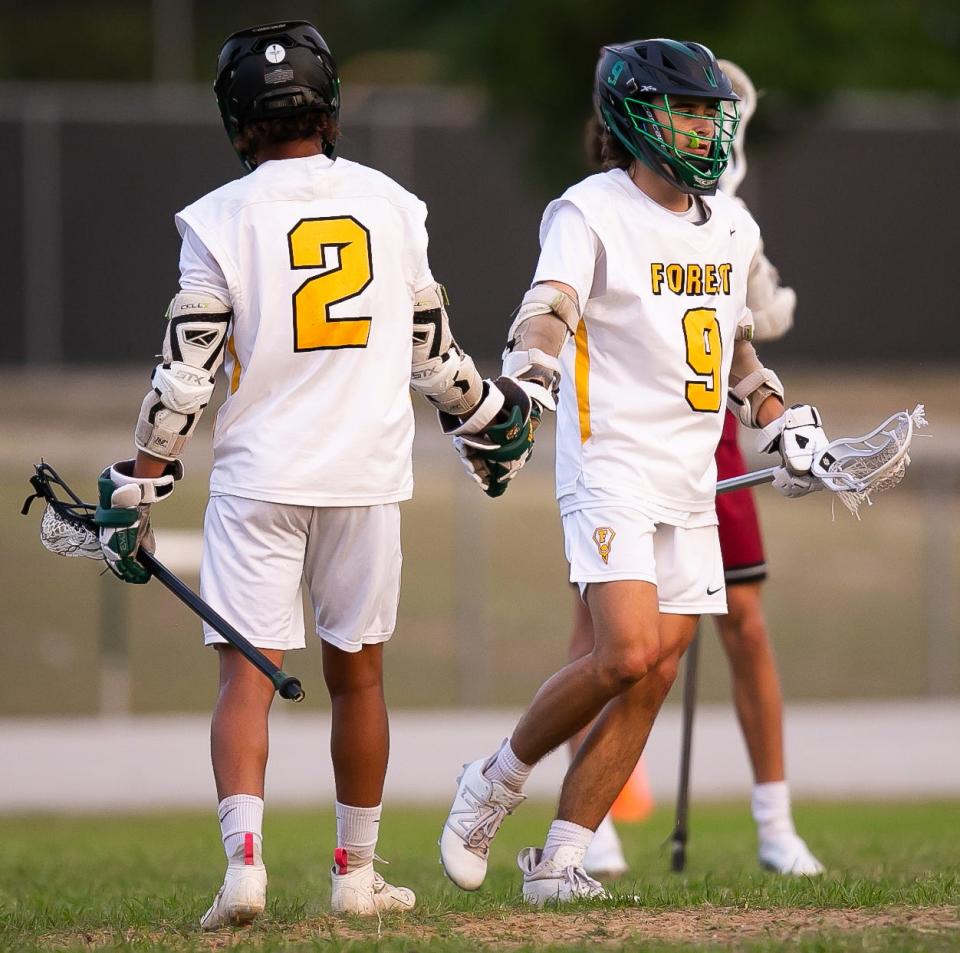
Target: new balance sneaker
604,857
364,891
475,817
240,900
789,854
560,879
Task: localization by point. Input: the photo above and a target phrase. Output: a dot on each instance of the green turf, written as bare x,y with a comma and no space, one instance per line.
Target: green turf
142,882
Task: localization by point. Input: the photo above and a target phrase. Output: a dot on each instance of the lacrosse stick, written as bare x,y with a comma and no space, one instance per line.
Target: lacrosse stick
678,840
68,529
855,468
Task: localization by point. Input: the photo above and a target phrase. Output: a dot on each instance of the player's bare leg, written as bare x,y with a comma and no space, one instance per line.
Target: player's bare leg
238,733
239,747
756,684
604,858
489,789
360,732
606,758
626,647
759,704
614,744
360,747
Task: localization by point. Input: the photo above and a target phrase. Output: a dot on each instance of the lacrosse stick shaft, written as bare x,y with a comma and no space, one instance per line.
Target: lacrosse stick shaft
287,686
746,480
678,842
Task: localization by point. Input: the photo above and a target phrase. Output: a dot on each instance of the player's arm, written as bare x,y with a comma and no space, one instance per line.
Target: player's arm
197,323
796,433
491,422
551,310
182,385
548,314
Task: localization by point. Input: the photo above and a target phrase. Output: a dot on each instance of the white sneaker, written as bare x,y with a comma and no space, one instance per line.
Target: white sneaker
789,855
604,857
240,900
363,891
475,817
560,879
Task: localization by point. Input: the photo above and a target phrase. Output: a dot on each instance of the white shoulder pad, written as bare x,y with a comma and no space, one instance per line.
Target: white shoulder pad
440,370
545,299
183,382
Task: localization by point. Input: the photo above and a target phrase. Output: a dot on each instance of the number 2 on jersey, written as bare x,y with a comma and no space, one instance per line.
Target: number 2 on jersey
311,241
701,331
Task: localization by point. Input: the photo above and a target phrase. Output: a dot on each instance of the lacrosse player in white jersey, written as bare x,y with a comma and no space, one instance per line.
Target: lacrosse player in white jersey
743,631
308,279
638,312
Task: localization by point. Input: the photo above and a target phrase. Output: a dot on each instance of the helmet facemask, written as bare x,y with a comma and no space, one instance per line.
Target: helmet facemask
637,89
665,142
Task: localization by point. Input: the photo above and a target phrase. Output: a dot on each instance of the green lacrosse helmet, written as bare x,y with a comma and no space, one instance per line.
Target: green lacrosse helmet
634,79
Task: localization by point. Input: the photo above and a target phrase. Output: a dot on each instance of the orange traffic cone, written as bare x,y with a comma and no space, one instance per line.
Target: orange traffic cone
635,801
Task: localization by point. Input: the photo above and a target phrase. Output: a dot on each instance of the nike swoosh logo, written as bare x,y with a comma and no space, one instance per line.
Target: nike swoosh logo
711,592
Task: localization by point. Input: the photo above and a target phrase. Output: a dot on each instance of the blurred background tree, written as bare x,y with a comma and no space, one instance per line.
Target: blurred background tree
535,58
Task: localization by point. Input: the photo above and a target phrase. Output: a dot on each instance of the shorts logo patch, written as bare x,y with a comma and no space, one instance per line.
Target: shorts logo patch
603,537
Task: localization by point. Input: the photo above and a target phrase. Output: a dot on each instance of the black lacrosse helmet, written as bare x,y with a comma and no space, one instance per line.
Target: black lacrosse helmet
274,71
630,76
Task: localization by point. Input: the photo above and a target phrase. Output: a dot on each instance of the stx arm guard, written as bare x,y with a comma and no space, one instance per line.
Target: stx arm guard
545,319
184,380
440,369
750,383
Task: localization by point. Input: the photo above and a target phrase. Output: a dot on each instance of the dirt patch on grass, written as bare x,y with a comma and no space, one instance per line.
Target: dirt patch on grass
721,925
724,926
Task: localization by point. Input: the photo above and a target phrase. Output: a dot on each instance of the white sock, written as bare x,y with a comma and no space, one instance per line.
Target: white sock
241,827
507,768
568,834
357,831
771,810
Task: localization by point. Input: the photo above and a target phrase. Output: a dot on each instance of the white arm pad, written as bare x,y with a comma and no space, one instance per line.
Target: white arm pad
440,370
776,318
745,398
545,299
772,304
183,383
538,370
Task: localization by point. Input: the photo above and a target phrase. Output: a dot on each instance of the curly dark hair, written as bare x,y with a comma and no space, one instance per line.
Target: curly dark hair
253,136
604,150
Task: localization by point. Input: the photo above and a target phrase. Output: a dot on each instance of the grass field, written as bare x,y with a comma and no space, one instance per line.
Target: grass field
141,883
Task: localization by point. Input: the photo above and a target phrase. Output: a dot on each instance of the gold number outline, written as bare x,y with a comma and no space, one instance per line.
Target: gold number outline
328,318
699,388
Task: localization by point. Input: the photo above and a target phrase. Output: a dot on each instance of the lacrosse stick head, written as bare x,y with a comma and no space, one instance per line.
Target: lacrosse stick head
67,527
859,468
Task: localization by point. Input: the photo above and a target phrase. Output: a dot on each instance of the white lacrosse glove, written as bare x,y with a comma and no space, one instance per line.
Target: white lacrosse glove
123,516
797,435
792,485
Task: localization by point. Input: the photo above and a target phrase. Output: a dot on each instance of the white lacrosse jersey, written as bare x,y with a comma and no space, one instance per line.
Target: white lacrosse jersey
319,261
644,383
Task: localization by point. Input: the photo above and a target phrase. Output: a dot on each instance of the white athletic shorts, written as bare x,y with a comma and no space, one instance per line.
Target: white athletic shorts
255,554
610,542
